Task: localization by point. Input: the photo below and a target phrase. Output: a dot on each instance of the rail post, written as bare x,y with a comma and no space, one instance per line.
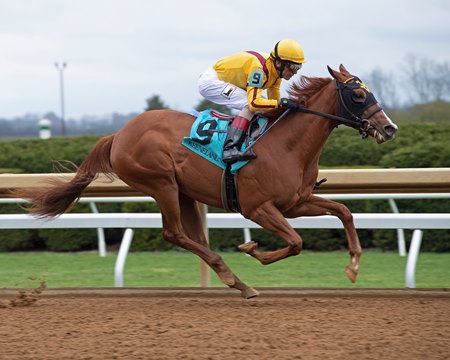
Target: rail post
413,254
205,276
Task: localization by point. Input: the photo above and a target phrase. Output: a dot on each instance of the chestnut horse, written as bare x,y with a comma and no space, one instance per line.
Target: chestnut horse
147,154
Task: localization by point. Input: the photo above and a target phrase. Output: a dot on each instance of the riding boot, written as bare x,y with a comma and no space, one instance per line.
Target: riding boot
233,142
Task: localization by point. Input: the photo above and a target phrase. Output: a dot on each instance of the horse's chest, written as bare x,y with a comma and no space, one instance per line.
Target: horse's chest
294,195
304,189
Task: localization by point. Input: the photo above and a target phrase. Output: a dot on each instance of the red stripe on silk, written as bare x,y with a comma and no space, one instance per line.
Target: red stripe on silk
255,92
262,60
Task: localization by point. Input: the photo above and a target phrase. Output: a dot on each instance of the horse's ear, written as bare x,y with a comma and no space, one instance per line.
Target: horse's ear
343,70
339,76
332,72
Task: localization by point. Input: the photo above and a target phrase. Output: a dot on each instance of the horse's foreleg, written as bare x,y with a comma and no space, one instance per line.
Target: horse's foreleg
269,217
318,206
213,260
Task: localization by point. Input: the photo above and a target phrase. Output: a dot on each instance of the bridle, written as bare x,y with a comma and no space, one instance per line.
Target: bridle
350,110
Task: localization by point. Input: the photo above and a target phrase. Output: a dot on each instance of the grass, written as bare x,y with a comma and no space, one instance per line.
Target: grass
310,269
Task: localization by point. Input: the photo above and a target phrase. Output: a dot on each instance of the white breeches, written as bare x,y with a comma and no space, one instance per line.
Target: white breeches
221,92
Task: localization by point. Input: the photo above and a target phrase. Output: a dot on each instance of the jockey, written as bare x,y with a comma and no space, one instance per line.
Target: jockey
238,81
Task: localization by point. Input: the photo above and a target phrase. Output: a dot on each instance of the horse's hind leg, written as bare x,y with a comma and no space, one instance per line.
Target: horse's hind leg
182,226
192,219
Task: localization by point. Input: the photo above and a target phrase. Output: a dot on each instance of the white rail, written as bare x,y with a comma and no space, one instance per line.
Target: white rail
224,221
391,197
391,200
92,204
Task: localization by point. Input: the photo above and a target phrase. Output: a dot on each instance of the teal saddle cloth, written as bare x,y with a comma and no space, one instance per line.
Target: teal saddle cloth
208,135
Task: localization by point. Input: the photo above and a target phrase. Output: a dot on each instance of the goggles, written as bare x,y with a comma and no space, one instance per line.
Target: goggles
294,67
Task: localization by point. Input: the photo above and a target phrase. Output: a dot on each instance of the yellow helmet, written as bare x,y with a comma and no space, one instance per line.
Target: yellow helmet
288,50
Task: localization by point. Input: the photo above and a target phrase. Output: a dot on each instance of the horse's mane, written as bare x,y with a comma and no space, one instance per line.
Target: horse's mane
304,88
300,92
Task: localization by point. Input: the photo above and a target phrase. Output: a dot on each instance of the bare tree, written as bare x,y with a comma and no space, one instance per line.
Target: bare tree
427,80
441,81
384,86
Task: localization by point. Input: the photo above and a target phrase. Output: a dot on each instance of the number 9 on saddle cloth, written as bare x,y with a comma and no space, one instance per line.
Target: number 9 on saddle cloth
208,135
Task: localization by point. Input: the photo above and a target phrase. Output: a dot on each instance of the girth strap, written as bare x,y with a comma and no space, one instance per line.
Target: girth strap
230,197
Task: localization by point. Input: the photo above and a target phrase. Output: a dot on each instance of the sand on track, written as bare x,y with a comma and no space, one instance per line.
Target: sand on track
216,323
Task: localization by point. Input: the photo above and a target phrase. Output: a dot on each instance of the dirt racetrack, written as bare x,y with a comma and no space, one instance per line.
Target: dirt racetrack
218,324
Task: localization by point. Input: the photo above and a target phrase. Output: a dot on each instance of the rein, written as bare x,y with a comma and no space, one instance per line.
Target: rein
340,119
356,122
265,132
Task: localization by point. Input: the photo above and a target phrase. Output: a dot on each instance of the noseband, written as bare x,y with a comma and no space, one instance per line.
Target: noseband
350,108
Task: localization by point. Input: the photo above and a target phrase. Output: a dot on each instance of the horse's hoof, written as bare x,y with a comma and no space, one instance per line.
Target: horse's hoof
249,293
351,274
248,247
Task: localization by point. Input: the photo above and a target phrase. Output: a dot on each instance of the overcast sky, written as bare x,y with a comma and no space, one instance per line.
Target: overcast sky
120,53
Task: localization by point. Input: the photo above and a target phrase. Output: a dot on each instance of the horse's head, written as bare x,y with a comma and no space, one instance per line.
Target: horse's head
358,104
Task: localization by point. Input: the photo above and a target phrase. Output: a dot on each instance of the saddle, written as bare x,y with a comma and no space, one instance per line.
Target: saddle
206,139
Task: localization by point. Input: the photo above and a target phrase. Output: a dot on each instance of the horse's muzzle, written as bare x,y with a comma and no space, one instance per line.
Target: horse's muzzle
384,134
389,131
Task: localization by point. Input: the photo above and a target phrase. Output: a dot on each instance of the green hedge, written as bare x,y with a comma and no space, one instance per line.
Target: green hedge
417,144
32,156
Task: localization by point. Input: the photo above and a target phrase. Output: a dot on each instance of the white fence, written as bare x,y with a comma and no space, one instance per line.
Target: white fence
129,221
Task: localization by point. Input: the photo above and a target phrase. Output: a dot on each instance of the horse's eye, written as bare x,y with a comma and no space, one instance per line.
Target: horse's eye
359,97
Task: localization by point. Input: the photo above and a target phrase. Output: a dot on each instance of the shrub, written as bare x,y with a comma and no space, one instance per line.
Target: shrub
147,239
18,240
38,156
61,240
70,239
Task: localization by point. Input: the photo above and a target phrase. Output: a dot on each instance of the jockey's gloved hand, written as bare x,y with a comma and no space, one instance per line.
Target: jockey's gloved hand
286,103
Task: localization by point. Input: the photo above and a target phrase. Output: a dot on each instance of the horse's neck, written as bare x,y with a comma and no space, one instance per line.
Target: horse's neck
310,132
325,100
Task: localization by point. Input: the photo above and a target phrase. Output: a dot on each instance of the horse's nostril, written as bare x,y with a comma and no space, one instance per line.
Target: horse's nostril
390,130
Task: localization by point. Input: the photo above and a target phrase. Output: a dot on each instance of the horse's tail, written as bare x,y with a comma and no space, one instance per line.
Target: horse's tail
62,195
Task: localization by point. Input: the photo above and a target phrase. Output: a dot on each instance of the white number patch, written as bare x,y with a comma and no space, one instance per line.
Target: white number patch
228,91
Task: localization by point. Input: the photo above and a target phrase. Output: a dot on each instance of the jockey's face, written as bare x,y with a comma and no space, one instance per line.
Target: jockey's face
289,70
288,73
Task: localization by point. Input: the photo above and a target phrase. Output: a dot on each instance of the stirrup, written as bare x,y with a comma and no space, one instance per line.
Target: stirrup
233,155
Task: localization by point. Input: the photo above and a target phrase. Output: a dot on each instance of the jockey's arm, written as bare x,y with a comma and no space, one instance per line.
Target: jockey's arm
274,91
256,101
